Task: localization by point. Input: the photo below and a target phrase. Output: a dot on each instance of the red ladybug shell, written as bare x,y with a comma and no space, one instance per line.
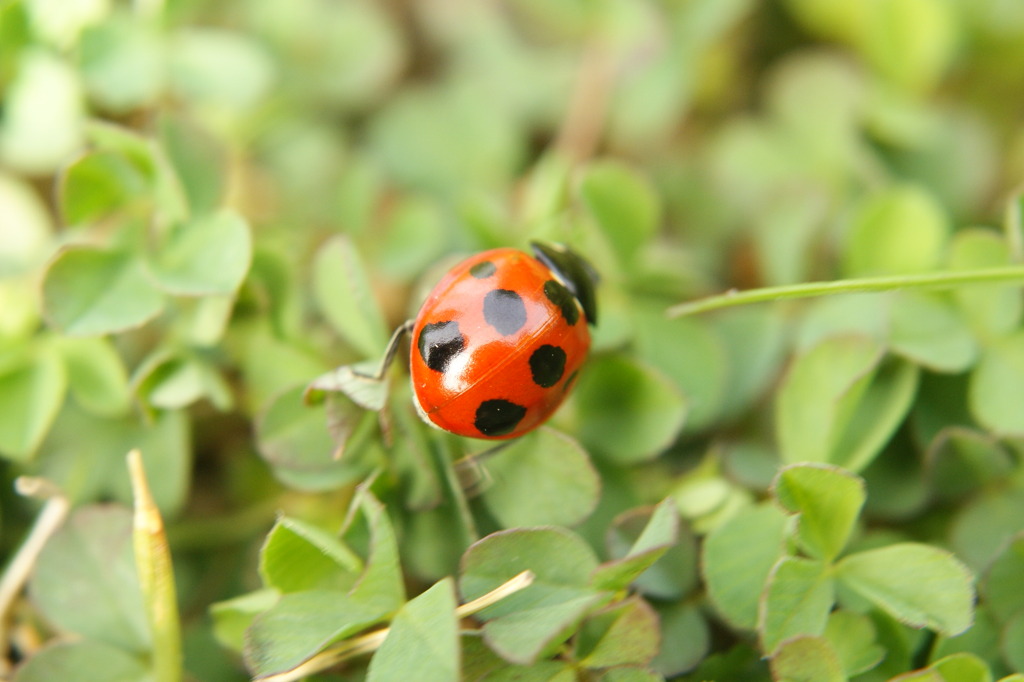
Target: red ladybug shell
496,346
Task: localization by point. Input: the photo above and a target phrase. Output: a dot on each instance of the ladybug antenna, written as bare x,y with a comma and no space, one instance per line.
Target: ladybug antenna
578,275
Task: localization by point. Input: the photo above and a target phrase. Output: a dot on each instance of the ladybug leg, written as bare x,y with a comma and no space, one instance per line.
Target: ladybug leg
389,353
472,474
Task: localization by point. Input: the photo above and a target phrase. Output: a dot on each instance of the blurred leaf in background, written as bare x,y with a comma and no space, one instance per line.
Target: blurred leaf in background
206,206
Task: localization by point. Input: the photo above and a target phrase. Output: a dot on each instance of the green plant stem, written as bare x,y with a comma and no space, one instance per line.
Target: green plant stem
371,641
49,520
929,281
156,577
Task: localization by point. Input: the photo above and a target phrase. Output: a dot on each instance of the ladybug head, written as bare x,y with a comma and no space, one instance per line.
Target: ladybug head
578,276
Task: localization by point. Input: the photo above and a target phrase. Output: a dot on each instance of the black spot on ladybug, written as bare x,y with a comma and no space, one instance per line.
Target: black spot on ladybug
563,298
547,364
498,417
439,343
483,269
504,310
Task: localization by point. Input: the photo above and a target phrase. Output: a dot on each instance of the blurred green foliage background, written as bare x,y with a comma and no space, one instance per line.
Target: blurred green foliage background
205,205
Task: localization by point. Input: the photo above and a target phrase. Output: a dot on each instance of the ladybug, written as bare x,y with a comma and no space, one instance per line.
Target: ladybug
499,341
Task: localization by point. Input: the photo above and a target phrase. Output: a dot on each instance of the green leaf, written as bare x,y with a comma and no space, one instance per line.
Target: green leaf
232,617
996,392
864,315
122,63
414,239
434,538
25,239
928,330
962,667
543,478
927,675
982,528
877,414
797,600
16,34
43,113
301,624
32,390
734,663
839,403
900,231
920,585
1001,587
99,185
537,631
827,501
292,437
911,43
754,342
83,661
556,556
818,393
423,642
381,581
738,557
657,536
544,671
898,486
136,147
626,633
208,255
1012,644
992,310
358,382
648,105
852,636
818,97
169,381
961,461
218,67
272,365
297,556
204,321
92,469
704,495
701,373
96,375
623,204
684,625
529,623
19,312
807,659
413,463
420,138
89,291
62,29
350,53
630,674
628,413
981,639
199,164
545,189
786,226
478,660
345,297
305,621
85,581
